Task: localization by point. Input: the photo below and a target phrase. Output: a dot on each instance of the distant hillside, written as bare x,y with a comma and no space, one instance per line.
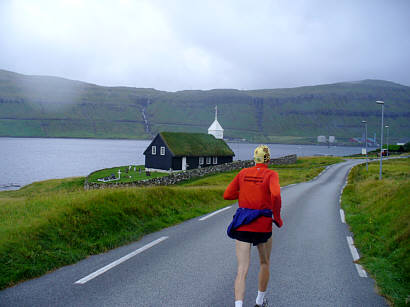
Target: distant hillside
37,106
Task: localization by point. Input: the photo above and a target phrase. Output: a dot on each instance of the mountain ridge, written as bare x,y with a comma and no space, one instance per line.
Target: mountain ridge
364,81
44,106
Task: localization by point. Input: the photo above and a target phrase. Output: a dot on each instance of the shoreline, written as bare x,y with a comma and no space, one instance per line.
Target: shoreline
148,140
32,159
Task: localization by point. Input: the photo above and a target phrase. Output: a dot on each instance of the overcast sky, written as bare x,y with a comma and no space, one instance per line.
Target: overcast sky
176,45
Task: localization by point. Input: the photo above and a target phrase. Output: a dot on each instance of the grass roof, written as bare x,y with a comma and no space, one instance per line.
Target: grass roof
195,144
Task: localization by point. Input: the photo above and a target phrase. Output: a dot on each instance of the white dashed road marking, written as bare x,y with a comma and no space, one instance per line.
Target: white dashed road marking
342,216
355,255
213,213
119,261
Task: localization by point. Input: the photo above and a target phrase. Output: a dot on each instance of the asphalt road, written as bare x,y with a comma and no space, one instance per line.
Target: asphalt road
195,264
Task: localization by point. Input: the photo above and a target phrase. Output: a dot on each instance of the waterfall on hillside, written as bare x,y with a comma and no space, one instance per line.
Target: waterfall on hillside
147,127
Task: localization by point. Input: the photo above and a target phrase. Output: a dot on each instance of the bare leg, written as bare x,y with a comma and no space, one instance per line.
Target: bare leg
264,257
243,254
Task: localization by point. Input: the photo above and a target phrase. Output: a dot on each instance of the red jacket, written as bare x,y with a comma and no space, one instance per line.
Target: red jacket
257,188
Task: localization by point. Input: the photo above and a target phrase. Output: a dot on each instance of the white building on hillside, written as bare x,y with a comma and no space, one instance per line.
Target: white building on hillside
216,129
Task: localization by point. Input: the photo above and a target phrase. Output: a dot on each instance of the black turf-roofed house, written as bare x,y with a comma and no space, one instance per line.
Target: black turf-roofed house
173,151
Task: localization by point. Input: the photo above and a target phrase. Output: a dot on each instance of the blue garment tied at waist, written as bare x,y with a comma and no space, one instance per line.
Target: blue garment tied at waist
244,216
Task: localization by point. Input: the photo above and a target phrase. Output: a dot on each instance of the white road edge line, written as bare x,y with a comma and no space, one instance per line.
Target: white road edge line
342,213
355,255
353,249
288,186
213,213
360,270
119,261
342,216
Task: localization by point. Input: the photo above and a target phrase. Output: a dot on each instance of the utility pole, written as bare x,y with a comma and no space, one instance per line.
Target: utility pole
365,142
387,126
381,141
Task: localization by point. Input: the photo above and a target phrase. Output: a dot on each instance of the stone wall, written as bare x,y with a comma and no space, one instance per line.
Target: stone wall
186,175
284,160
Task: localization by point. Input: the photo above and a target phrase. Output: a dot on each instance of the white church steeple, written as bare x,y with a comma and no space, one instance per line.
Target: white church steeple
216,129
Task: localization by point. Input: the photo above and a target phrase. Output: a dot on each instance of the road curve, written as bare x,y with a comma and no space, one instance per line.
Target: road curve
194,263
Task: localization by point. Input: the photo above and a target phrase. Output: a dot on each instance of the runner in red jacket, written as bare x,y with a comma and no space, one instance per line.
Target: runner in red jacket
258,192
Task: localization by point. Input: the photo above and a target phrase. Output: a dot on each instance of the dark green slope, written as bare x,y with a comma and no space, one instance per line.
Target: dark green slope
37,106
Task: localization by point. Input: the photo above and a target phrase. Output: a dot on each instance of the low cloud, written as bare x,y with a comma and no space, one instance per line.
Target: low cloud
176,45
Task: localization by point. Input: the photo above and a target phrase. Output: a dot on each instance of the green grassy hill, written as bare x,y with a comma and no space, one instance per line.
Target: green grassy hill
36,106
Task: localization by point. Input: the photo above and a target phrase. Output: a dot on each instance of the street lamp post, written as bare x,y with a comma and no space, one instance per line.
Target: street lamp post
365,142
387,140
381,141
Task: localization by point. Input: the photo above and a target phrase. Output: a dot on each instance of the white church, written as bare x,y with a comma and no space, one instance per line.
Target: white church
216,129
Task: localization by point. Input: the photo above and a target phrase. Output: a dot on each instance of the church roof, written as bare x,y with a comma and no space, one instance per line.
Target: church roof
215,126
195,144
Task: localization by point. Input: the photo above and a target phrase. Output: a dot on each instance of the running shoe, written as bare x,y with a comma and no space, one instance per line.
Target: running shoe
264,304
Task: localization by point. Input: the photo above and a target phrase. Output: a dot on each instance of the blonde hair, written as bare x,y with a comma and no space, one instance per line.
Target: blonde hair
261,154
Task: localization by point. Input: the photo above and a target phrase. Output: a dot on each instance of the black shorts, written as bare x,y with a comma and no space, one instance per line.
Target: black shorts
252,237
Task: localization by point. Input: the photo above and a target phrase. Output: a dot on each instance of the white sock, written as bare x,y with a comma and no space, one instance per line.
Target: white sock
260,297
238,303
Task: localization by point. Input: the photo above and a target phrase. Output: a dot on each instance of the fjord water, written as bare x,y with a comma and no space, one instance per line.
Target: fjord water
25,160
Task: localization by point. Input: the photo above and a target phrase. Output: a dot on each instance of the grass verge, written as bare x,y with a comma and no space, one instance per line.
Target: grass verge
378,212
53,223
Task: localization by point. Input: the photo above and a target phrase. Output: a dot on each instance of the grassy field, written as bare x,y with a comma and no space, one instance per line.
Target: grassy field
53,223
378,213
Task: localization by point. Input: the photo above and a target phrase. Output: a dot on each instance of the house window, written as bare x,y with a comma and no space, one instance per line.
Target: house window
154,150
201,160
215,160
208,160
162,153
